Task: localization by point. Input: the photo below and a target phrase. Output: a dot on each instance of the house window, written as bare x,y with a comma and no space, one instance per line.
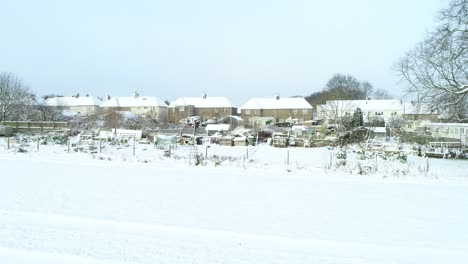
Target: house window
145,107
181,109
247,112
455,131
462,131
224,110
304,112
295,111
256,112
347,113
394,113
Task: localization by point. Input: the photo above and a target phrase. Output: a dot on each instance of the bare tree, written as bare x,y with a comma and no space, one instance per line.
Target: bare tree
14,95
337,112
380,94
49,113
347,87
436,70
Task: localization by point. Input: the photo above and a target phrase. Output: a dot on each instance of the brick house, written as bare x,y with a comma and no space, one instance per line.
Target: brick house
205,107
276,109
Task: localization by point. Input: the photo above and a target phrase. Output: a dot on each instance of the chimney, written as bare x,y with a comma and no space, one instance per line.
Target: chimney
136,94
277,96
108,97
204,95
77,95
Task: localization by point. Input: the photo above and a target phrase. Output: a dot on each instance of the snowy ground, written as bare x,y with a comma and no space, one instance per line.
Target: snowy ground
113,207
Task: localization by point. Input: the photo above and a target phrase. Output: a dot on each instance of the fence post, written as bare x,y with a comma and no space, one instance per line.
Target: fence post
427,165
38,144
134,146
100,145
247,152
8,142
68,146
287,157
376,163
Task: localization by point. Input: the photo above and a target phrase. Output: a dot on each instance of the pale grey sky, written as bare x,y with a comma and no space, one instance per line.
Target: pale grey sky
239,49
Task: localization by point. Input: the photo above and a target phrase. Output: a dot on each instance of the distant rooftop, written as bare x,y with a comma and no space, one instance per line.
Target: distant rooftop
133,101
73,101
203,102
277,103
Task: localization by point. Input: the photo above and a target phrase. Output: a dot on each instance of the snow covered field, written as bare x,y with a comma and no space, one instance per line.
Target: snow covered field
112,207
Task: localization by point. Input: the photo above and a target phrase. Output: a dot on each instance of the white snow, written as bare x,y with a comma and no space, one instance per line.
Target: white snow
73,101
273,103
113,207
203,102
132,101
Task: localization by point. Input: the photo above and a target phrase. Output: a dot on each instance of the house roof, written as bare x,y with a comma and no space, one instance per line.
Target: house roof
73,101
415,109
133,101
366,105
377,105
203,102
273,103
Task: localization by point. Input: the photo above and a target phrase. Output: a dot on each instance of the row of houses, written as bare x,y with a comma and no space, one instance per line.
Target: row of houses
385,109
261,111
256,110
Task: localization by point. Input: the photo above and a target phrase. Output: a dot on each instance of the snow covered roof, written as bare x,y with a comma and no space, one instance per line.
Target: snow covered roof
133,101
203,102
217,127
415,109
447,125
273,103
366,105
72,101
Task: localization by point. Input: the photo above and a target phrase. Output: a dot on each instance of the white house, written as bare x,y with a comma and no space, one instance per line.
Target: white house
138,105
457,131
386,109
75,105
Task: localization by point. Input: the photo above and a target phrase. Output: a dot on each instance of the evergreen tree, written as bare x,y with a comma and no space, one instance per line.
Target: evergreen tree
358,120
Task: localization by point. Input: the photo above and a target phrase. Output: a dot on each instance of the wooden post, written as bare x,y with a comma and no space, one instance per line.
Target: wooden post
376,163
100,145
247,152
427,165
287,157
38,144
68,148
8,142
134,146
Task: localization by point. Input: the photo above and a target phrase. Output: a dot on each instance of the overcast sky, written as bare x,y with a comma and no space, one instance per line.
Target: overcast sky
239,49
